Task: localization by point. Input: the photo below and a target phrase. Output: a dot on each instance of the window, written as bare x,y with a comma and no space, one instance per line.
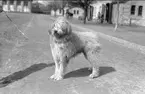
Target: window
74,11
11,2
140,10
133,10
77,11
4,2
26,3
59,11
18,2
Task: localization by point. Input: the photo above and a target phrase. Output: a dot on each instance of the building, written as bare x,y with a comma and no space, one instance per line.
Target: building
131,13
77,12
17,5
101,9
58,12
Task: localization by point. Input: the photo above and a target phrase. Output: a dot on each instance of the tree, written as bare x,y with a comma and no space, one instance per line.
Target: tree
55,4
63,4
84,4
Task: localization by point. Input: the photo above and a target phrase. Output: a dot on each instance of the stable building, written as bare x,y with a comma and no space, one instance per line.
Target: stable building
17,5
130,13
100,9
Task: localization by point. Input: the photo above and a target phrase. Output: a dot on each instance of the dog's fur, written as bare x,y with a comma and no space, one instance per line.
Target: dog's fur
66,44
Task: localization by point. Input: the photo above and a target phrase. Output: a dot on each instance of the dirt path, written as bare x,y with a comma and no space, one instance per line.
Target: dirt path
30,66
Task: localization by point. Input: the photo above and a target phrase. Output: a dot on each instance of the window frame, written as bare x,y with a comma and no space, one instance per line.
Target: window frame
140,12
133,9
74,11
77,11
11,2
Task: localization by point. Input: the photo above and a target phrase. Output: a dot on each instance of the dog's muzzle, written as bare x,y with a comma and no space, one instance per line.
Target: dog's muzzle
58,35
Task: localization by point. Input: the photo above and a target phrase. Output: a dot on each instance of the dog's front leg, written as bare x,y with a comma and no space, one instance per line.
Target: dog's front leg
60,66
56,70
56,61
61,70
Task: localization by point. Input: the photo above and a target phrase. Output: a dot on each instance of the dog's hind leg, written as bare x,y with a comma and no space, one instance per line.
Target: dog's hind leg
92,56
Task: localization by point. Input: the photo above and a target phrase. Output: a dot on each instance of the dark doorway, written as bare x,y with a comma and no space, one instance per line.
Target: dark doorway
109,13
90,13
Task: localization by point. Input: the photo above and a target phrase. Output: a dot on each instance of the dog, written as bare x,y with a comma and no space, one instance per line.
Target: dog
66,44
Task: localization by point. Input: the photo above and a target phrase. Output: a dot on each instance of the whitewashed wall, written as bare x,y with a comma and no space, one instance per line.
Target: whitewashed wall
98,6
26,9
18,9
57,12
81,12
96,9
124,17
5,7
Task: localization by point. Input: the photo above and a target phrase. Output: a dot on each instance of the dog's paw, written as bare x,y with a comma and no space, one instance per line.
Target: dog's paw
93,75
56,77
53,76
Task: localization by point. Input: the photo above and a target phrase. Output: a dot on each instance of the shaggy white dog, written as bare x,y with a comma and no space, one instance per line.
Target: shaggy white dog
66,44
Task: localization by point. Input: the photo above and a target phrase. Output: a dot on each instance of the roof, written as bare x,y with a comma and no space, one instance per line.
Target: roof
121,1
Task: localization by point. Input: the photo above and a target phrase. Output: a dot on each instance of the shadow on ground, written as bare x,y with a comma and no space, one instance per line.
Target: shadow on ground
85,72
21,74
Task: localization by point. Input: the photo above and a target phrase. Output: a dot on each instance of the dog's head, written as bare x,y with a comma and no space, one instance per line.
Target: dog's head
60,28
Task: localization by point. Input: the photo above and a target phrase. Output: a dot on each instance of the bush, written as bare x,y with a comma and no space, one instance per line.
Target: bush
81,17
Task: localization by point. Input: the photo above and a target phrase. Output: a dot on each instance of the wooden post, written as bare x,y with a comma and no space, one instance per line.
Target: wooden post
22,5
110,13
104,13
8,5
117,18
88,13
29,5
15,5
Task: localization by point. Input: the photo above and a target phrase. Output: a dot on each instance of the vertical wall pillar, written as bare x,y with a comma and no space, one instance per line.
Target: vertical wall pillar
15,5
91,13
110,13
105,13
29,5
8,5
2,2
88,15
22,5
2,6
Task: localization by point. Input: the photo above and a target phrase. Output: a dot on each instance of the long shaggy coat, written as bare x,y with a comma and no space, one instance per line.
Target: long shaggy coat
66,44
